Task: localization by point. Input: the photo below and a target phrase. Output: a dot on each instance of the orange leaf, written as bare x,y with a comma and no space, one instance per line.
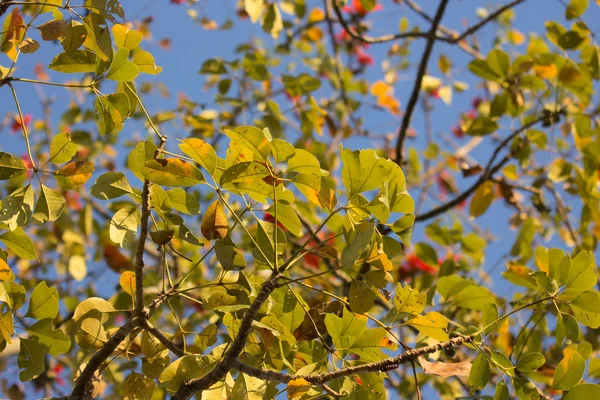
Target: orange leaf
214,222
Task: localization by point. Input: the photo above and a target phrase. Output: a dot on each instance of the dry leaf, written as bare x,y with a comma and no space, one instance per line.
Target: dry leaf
445,370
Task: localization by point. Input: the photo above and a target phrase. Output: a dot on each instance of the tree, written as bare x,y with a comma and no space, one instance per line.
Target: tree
259,247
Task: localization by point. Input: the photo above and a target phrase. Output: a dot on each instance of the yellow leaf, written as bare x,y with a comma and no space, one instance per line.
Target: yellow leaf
125,37
5,272
214,222
546,71
127,282
432,324
445,93
74,175
430,83
297,388
483,197
316,15
12,33
516,37
379,88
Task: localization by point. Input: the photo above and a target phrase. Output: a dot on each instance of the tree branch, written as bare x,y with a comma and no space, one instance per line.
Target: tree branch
490,170
151,329
414,97
230,358
4,4
139,252
383,365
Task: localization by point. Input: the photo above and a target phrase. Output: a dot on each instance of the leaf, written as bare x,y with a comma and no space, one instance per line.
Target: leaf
583,391
214,222
43,302
567,327
445,370
473,297
98,36
13,31
586,308
207,337
19,243
569,371
252,138
182,201
10,166
30,359
346,330
74,175
482,69
358,244
145,63
111,111
77,267
480,372
305,163
53,30
287,217
5,272
361,297
16,208
248,388
121,69
124,226
297,388
530,362
409,300
127,282
138,157
91,306
480,126
29,46
172,172
282,150
363,170
73,62
56,341
62,149
254,8
138,387
499,62
50,206
74,37
272,21
482,198
111,185
230,257
187,367
432,324
576,9
368,345
125,37
277,328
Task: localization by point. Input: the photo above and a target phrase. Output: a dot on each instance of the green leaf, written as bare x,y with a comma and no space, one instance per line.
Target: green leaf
277,328
583,391
16,208
586,308
213,66
92,306
252,138
43,302
31,359
182,201
56,341
138,387
567,328
582,275
74,175
503,362
10,166
145,63
98,36
369,343
50,206
125,37
480,372
300,85
138,157
111,185
229,256
473,297
361,297
482,199
480,126
530,362
172,172
124,226
271,20
482,69
187,367
363,170
247,387
409,300
499,62
111,111
368,4
62,149
73,62
74,37
576,9
358,244
568,372
19,243
244,172
346,330
501,391
121,69
305,163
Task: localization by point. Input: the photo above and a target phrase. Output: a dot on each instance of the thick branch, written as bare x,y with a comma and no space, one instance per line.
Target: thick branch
80,388
414,97
383,365
4,4
490,170
230,358
139,252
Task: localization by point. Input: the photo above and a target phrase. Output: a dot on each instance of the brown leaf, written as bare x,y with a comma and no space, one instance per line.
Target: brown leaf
445,370
53,30
214,222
